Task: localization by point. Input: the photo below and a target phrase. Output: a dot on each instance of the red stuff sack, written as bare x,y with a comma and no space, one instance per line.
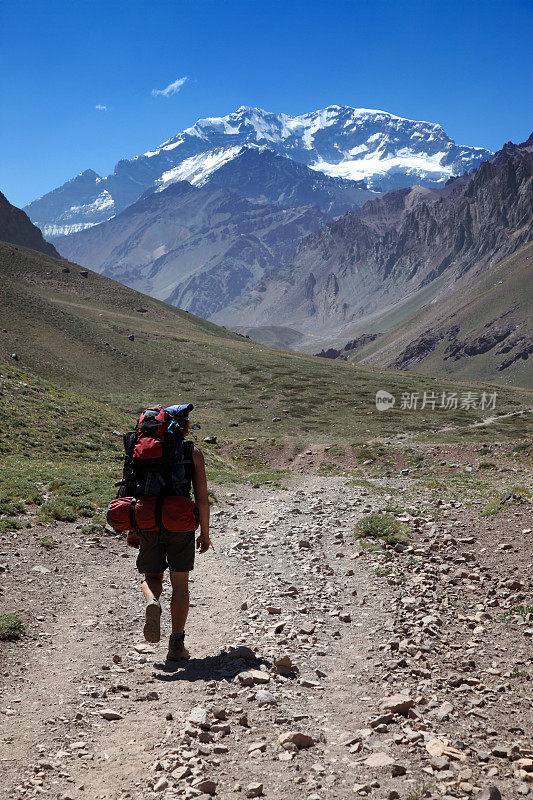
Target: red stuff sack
121,514
150,440
179,514
171,514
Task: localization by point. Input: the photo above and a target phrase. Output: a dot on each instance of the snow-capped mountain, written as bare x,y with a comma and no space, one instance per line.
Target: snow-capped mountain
381,149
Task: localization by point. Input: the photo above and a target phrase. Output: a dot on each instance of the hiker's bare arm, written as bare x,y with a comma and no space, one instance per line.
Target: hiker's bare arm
201,499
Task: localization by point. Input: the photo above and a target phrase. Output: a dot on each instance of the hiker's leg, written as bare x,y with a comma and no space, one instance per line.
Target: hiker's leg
179,604
152,585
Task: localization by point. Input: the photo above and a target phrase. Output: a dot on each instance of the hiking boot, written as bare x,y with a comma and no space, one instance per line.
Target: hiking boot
176,647
152,625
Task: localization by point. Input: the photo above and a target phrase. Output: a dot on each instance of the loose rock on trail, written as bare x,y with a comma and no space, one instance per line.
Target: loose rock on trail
319,670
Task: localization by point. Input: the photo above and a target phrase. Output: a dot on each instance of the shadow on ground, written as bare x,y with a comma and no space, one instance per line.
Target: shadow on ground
223,666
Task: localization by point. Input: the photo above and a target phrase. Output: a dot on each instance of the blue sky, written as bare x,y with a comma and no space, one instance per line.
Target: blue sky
465,64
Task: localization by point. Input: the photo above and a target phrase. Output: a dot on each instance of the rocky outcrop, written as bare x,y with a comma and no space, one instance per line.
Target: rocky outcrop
478,344
16,227
353,344
418,350
525,349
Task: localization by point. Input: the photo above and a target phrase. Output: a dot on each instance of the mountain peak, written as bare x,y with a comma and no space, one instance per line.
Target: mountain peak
375,147
248,110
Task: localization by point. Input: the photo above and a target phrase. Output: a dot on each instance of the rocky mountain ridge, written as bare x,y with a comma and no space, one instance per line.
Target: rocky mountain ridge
482,331
411,243
382,150
195,247
264,176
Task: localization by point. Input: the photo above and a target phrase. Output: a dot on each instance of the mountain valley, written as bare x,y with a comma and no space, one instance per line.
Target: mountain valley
195,247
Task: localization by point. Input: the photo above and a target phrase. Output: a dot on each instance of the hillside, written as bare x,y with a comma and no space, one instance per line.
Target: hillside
482,333
16,227
304,475
374,149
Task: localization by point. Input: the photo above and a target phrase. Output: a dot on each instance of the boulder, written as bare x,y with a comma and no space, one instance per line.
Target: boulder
396,704
301,740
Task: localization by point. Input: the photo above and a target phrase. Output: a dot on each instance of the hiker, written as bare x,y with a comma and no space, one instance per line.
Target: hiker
166,540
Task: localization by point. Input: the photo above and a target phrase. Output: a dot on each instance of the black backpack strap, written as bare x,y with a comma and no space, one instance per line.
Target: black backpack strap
133,522
129,441
188,463
159,513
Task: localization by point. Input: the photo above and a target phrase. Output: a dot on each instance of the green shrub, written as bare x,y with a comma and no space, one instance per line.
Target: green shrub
11,507
517,495
10,524
523,448
381,526
92,528
369,452
11,627
59,510
47,542
329,468
523,611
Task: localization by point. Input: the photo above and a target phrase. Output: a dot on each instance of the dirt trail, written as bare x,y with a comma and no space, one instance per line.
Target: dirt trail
287,579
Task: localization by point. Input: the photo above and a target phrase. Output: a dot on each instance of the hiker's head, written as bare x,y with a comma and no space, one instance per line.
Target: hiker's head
181,415
185,425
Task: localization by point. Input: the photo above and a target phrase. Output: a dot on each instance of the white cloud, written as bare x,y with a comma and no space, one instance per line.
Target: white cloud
172,88
100,107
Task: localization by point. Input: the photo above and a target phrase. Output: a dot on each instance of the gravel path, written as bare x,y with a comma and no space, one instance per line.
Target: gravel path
319,670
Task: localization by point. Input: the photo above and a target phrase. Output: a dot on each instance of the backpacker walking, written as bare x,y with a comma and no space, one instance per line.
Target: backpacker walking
154,505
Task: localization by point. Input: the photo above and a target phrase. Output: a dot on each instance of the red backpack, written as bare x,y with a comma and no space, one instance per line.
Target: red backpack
154,492
157,460
154,437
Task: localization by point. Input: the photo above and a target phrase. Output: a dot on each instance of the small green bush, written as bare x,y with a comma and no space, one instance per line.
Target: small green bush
369,452
92,528
329,468
47,542
11,627
10,524
56,509
11,507
523,611
517,495
381,526
523,448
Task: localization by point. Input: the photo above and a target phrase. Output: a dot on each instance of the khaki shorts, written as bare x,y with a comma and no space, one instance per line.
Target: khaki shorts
160,550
